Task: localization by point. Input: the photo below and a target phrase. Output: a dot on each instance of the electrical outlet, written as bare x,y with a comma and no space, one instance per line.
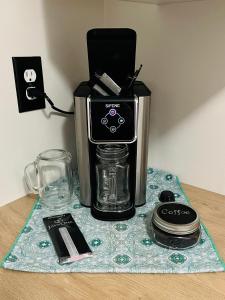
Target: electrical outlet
28,75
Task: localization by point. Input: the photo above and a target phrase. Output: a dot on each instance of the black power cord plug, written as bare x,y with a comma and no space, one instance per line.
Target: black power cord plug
34,93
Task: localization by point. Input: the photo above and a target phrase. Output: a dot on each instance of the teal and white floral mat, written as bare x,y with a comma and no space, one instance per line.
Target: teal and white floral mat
117,246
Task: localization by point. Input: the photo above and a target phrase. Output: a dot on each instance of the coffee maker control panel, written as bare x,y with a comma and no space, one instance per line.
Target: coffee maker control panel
112,120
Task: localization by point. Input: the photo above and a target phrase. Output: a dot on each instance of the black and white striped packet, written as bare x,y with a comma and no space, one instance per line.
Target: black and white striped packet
69,242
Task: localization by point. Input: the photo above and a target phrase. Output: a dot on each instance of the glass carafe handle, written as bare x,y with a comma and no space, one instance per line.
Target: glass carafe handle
31,168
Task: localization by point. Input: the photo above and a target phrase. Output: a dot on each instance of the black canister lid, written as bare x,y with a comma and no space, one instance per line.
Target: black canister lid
166,196
176,218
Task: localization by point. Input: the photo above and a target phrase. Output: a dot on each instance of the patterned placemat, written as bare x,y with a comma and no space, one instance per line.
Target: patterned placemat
117,246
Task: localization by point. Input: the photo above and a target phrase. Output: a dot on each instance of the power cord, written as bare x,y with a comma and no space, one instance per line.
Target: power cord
56,108
35,93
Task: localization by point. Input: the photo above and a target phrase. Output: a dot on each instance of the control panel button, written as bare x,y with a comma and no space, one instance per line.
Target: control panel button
121,120
113,129
112,112
104,121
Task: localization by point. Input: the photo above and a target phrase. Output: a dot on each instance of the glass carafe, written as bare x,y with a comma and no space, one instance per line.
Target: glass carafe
112,171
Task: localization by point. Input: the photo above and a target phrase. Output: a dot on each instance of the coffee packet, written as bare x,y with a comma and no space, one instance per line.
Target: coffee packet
68,241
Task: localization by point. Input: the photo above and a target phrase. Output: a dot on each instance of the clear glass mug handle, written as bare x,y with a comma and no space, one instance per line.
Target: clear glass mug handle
31,168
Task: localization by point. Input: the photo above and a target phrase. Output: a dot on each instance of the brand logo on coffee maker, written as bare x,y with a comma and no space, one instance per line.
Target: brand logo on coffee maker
112,105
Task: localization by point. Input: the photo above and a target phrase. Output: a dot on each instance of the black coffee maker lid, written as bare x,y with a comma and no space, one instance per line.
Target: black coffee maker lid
112,51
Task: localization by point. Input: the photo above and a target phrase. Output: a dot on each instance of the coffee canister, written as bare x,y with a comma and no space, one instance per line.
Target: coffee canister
175,225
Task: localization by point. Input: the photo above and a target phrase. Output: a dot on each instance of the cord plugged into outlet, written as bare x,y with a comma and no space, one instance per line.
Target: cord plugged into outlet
29,92
30,85
34,93
28,77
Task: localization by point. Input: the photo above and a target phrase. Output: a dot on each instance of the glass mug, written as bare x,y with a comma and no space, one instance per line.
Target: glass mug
50,176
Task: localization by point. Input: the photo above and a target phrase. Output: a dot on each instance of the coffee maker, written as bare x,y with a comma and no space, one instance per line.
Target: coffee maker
112,127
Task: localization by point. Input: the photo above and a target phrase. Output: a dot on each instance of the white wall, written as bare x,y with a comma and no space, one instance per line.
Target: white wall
54,30
182,48
188,116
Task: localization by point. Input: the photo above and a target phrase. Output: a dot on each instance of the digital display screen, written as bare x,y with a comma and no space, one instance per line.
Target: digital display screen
112,120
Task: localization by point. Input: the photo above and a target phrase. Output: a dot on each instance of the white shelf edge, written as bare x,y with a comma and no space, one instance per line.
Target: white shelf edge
155,3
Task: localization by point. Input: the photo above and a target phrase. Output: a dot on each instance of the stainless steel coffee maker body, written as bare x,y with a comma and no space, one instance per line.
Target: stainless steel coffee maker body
120,125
